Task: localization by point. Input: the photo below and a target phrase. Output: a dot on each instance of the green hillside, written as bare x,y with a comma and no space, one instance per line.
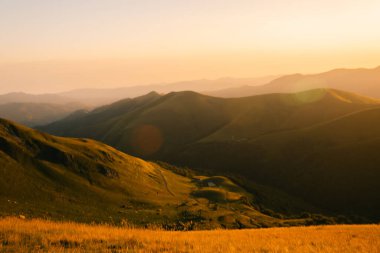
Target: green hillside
65,173
81,179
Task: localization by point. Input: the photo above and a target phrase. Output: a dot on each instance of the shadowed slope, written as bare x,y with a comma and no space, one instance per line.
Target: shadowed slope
334,165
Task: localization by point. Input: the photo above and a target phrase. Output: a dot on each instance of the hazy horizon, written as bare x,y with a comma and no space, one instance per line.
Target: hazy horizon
55,46
45,90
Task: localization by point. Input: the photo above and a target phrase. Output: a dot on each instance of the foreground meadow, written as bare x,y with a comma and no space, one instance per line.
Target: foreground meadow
18,235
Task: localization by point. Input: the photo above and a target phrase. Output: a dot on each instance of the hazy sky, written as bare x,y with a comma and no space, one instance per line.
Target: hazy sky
56,45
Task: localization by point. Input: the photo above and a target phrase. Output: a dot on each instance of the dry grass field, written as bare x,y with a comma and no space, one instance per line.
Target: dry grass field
18,235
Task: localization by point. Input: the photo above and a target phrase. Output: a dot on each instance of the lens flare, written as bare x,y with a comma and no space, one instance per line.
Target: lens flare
309,96
147,139
309,84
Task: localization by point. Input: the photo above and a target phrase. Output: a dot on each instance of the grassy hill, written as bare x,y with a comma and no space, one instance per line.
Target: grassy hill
60,176
361,81
85,180
275,140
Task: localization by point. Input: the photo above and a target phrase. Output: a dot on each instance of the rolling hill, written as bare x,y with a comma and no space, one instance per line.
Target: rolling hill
69,175
276,140
361,81
84,180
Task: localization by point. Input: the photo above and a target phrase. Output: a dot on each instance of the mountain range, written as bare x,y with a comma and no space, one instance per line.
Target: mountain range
318,146
98,97
41,109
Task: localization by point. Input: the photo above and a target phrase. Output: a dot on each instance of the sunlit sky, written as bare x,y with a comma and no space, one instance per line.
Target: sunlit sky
58,45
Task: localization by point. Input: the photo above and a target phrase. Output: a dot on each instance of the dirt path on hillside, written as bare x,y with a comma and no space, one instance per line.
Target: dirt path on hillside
166,183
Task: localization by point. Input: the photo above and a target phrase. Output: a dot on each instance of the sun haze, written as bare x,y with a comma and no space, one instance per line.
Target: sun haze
50,46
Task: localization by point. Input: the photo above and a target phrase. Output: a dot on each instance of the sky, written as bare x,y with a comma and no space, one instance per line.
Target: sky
54,45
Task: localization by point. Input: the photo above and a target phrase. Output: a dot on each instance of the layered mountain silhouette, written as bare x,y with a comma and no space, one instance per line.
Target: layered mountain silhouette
361,81
99,97
318,145
105,96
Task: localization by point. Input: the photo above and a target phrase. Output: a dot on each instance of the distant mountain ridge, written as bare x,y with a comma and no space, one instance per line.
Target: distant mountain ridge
105,96
98,97
362,81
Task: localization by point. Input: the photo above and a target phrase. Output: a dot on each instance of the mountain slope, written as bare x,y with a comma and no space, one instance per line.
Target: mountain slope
361,81
87,167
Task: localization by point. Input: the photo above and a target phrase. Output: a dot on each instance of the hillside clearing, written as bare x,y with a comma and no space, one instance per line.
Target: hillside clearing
19,235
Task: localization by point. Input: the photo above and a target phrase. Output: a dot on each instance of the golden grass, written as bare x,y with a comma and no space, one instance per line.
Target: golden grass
17,235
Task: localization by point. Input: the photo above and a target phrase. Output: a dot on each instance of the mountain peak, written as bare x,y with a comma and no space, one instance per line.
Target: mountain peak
185,92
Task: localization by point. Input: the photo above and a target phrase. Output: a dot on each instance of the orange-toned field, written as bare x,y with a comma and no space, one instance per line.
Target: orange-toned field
18,235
